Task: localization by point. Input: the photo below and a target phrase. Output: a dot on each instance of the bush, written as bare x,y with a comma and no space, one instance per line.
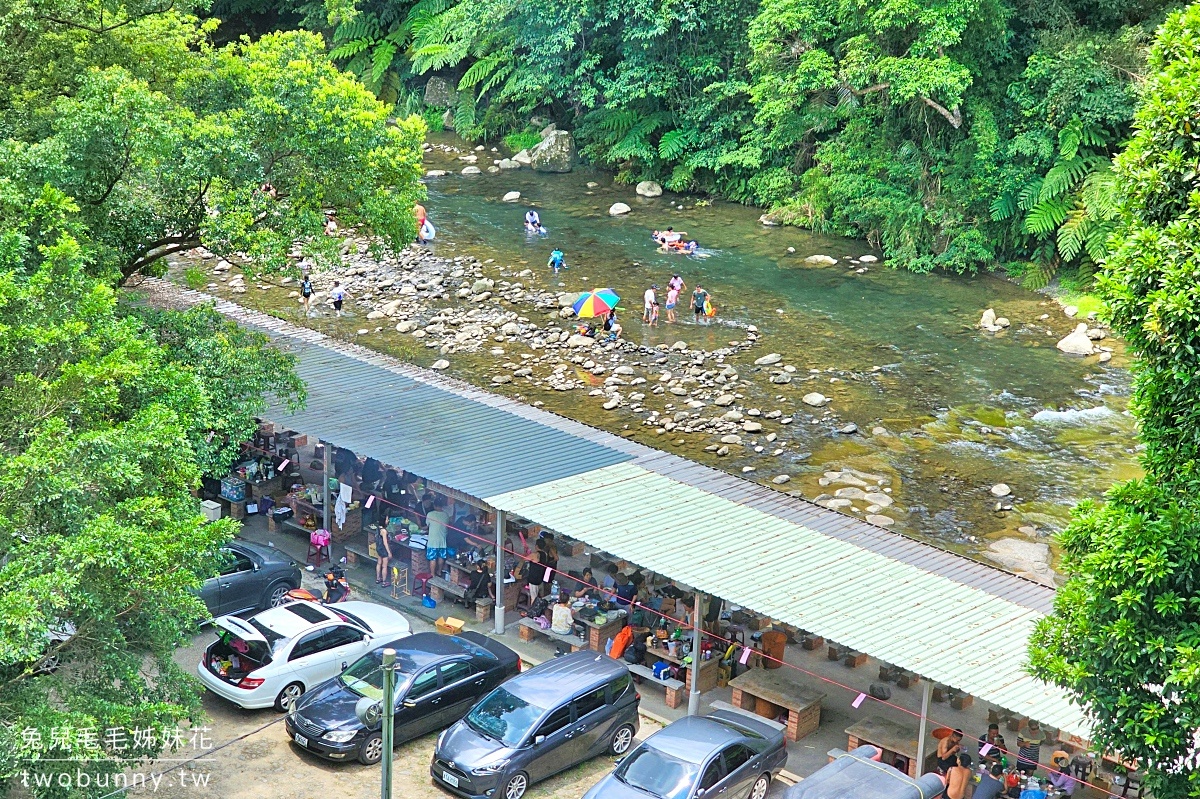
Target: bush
525,140
195,278
433,119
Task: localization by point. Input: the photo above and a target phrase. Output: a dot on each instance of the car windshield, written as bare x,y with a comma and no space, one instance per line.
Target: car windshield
658,773
504,716
365,675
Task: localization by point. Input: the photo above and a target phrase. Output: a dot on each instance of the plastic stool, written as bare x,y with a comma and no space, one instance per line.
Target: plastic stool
318,547
420,582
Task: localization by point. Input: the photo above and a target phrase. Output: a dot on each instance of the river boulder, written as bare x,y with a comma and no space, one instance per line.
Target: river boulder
617,209
523,158
1077,342
471,170
820,260
815,399
508,163
511,197
648,188
555,153
439,93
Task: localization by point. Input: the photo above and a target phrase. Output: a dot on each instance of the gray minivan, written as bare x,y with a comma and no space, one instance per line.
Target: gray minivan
548,719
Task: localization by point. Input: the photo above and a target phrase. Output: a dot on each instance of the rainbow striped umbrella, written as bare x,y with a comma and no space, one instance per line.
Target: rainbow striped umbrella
595,303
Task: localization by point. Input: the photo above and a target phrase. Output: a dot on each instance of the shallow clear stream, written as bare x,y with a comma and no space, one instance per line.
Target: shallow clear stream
962,409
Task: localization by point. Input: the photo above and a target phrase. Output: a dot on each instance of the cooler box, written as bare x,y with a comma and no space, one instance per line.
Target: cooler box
448,625
211,510
233,489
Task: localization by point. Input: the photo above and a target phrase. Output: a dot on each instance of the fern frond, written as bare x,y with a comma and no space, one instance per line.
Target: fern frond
1004,206
1027,197
1062,177
497,76
381,59
478,72
1096,242
673,144
618,123
349,49
1073,233
1045,217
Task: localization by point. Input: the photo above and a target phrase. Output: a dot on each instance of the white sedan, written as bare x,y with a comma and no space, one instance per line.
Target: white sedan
271,658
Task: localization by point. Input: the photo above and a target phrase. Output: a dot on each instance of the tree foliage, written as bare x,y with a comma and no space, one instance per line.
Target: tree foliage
922,125
1125,637
166,156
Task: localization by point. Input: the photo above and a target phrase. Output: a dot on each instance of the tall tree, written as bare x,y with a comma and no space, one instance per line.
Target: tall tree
111,415
1125,636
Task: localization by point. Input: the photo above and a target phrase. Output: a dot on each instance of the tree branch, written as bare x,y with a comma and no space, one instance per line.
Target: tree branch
953,117
102,28
141,262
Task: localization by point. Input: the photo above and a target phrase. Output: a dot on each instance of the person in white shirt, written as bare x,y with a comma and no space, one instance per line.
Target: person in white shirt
562,620
338,295
649,299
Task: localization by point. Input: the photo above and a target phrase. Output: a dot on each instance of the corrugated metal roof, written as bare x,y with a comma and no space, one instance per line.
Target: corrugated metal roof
947,617
431,431
940,628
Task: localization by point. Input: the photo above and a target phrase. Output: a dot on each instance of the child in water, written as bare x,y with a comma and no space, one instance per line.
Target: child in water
556,261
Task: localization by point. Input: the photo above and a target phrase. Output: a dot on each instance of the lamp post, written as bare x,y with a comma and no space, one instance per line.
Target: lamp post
389,711
370,713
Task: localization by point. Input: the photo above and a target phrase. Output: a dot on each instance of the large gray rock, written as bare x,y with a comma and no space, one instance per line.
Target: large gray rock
820,260
448,120
617,209
814,399
439,93
555,153
508,163
769,359
471,170
1077,342
648,188
511,197
576,340
523,158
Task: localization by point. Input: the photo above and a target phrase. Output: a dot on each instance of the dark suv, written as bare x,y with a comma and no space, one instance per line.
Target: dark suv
552,717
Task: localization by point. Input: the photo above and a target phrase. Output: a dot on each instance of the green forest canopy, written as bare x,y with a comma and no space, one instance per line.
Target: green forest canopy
954,134
125,135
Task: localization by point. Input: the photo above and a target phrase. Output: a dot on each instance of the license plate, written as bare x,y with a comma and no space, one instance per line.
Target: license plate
449,779
300,739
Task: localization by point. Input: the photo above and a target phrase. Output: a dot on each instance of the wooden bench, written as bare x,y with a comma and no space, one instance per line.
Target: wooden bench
439,587
674,687
530,630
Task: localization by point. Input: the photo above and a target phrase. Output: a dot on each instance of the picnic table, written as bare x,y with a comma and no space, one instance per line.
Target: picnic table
765,692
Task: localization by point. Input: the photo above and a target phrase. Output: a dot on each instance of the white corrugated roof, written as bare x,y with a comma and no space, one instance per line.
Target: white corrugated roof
925,622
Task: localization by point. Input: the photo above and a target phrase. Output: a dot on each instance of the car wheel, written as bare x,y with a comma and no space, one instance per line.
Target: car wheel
622,738
371,750
516,785
759,791
290,693
276,595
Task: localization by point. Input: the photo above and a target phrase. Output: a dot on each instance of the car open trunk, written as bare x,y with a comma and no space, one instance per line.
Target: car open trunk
238,650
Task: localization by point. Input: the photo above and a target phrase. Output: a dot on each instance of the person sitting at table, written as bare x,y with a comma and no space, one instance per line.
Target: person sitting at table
958,777
481,584
609,577
1060,776
947,751
624,592
991,784
562,620
585,588
546,539
994,739
371,475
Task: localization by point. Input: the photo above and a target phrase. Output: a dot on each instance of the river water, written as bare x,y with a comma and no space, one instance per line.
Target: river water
960,410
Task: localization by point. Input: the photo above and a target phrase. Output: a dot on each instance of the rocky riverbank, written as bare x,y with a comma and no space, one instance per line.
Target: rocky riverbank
730,401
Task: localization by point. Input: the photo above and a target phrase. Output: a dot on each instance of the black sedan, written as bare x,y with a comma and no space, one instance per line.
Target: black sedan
438,679
252,577
726,753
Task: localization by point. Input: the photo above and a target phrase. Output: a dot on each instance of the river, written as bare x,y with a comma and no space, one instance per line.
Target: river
944,410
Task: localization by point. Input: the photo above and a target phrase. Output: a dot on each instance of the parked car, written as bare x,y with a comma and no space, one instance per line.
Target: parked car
543,721
727,753
270,658
860,773
438,679
252,577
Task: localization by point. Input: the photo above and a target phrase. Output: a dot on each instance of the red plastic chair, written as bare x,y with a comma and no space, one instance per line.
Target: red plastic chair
318,548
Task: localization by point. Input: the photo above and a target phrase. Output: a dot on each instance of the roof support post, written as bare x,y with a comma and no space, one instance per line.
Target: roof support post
694,694
325,486
498,607
925,695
